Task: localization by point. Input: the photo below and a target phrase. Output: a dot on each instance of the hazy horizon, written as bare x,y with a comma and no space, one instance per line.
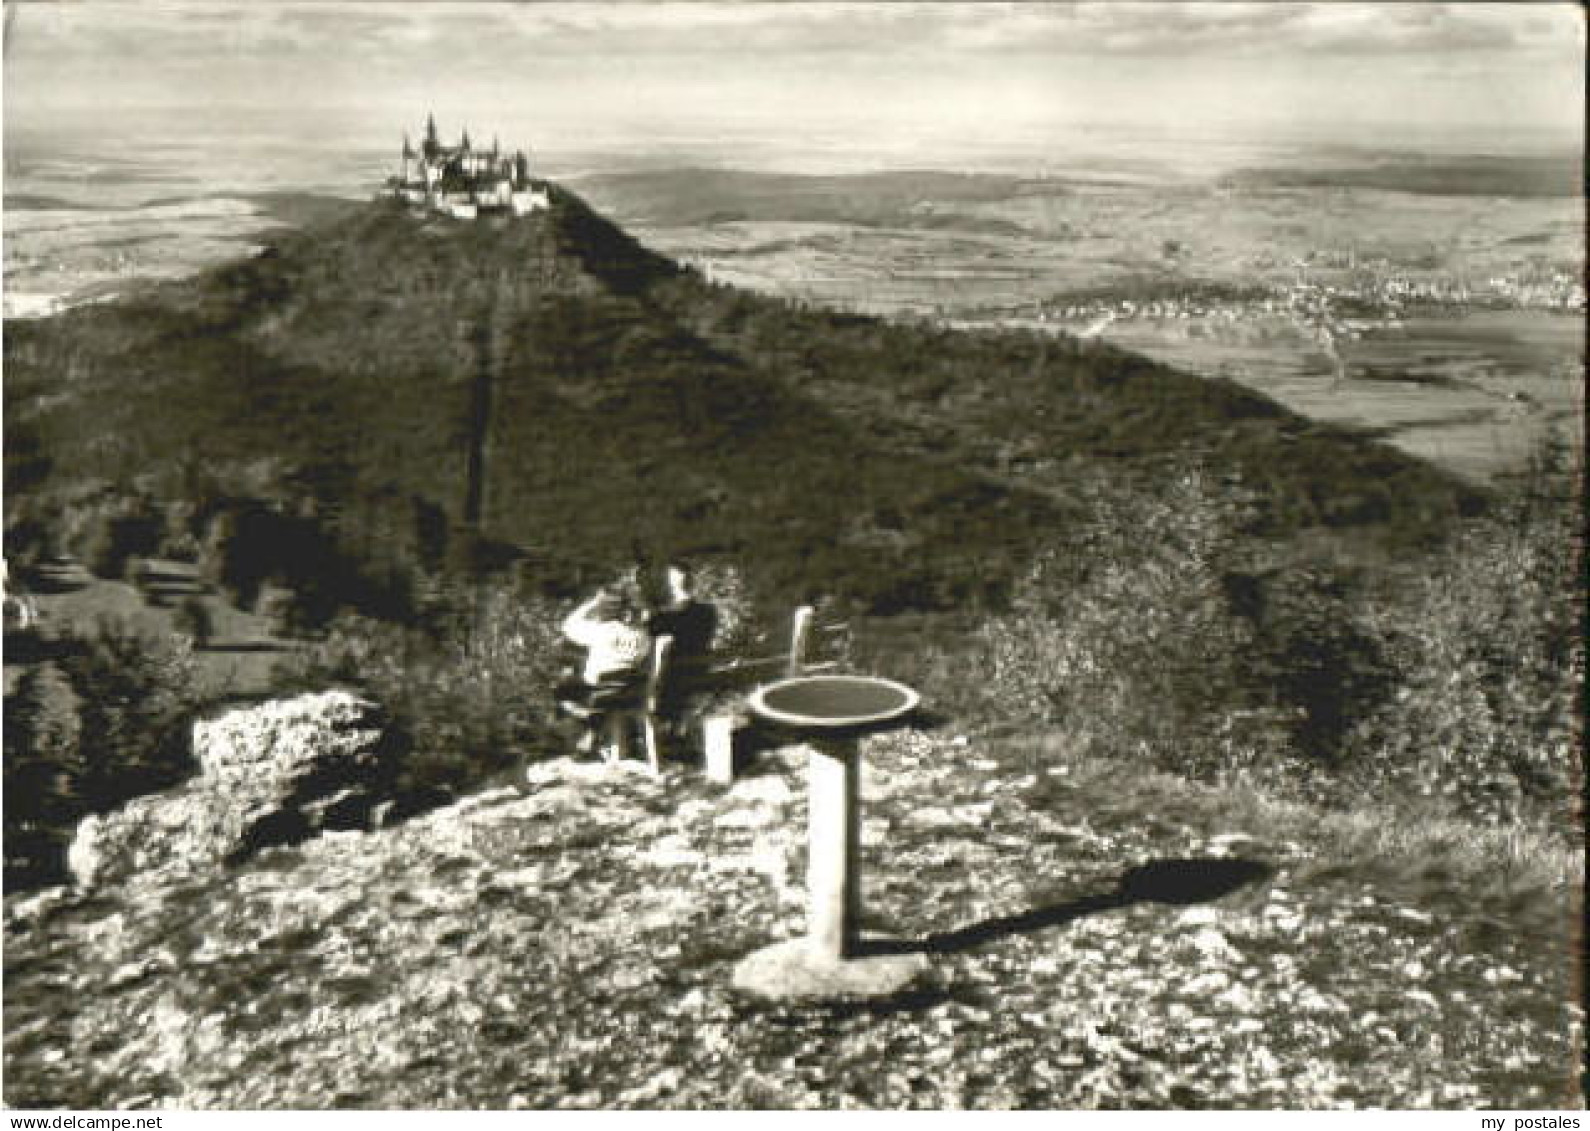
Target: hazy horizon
809,86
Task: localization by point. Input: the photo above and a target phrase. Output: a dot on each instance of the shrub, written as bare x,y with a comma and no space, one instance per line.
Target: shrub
276,607
106,722
465,702
1489,647
1125,637
44,723
42,769
138,697
195,619
723,586
118,531
1320,660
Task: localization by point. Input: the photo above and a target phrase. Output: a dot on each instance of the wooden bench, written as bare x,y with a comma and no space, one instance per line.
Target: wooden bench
635,709
719,727
632,708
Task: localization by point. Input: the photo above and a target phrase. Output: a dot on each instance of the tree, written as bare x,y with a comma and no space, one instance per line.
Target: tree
138,693
43,773
123,537
44,723
195,618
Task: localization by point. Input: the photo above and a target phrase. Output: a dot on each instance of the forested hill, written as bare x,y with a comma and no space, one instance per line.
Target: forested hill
387,394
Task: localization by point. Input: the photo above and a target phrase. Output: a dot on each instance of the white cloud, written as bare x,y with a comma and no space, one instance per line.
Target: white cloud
877,62
1147,28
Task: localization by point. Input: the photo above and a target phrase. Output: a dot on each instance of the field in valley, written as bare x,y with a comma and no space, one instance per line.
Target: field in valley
1450,324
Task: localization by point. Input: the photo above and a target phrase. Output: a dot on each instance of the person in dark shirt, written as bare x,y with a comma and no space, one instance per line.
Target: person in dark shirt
693,624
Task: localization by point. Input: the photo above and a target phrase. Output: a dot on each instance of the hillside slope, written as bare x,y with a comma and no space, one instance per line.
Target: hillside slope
551,386
511,376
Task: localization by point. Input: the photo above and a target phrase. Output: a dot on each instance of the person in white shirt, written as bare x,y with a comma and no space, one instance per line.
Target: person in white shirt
608,627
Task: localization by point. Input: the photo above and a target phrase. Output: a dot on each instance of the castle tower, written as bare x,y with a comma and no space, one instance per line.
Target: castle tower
432,144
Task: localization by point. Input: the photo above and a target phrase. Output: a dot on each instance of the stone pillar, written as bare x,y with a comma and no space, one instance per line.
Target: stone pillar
717,740
832,960
833,876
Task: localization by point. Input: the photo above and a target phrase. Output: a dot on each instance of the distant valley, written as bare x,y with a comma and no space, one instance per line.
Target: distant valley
406,389
1436,302
1450,322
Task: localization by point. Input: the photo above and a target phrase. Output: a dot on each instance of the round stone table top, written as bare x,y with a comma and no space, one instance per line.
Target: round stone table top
833,702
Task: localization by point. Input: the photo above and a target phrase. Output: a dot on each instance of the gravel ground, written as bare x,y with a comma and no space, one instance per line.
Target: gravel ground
1092,945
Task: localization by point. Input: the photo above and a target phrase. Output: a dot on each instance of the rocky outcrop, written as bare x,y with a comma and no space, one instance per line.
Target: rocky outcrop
268,775
571,943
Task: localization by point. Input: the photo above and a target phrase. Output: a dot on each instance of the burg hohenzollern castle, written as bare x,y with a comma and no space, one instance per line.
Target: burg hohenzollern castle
465,182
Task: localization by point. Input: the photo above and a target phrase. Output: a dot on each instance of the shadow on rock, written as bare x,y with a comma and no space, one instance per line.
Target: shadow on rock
1187,881
1179,882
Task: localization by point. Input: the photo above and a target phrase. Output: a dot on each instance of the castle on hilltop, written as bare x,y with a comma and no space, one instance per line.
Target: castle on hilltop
464,182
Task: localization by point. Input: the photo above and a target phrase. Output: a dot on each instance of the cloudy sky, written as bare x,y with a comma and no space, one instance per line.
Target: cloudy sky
871,73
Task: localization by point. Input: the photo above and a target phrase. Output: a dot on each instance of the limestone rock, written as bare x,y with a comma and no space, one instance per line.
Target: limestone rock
271,774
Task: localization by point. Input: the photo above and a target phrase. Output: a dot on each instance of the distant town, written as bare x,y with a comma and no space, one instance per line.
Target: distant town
464,182
1366,293
1328,306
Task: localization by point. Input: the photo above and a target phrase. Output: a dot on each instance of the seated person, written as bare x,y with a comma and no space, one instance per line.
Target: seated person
693,624
617,648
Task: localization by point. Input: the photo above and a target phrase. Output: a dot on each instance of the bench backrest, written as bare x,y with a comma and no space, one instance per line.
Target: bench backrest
812,646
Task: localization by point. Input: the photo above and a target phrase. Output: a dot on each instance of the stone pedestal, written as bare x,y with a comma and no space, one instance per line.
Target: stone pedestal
717,741
833,840
832,960
795,970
